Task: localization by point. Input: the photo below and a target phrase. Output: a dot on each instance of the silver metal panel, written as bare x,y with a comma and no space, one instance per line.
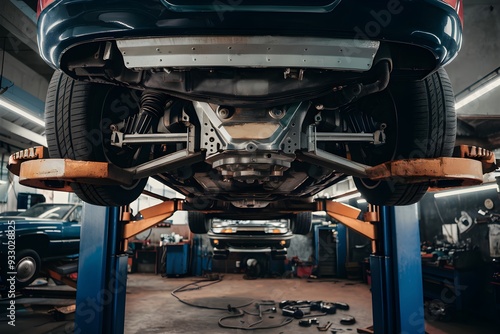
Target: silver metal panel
286,135
249,51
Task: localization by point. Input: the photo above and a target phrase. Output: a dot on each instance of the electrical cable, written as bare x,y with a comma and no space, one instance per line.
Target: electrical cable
240,312
184,288
285,322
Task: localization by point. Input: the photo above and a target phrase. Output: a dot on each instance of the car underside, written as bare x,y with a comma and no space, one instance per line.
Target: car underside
240,122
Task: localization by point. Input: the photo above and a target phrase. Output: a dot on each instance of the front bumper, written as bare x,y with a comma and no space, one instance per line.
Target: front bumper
239,241
429,24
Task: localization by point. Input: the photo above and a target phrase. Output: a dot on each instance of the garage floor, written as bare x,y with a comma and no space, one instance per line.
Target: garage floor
148,293
151,308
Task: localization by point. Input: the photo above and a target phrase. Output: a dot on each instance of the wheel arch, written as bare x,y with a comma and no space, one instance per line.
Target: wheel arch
37,242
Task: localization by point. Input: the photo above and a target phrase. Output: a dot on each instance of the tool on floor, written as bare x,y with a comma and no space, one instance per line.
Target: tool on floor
316,305
325,327
308,322
328,308
348,320
292,312
341,306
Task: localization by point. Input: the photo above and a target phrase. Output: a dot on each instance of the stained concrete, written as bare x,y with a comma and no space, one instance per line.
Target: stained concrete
151,308
172,316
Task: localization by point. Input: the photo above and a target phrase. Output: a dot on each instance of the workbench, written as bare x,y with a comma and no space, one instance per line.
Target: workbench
456,288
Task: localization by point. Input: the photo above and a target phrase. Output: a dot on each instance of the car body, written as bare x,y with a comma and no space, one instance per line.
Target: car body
42,233
250,235
10,213
249,108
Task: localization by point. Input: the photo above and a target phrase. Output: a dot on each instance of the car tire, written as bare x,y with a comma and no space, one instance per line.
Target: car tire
28,264
198,222
78,116
424,127
301,222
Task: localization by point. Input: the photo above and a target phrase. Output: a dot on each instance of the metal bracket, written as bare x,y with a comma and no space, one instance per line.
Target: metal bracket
150,217
35,169
335,162
348,216
119,138
377,137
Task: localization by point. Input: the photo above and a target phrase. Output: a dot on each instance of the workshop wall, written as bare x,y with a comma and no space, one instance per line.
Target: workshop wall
477,58
301,246
436,212
25,78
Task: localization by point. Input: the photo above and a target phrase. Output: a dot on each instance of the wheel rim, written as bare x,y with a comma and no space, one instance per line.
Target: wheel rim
26,269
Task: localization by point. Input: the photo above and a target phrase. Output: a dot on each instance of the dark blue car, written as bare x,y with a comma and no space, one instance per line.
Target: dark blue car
249,108
42,233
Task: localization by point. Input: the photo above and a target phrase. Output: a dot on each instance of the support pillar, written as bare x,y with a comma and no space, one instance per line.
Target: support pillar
397,292
102,273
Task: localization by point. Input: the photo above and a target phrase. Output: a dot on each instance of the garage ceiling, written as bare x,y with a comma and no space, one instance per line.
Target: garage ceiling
479,122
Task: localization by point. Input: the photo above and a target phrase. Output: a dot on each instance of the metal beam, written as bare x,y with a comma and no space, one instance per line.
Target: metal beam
347,215
15,129
151,216
19,24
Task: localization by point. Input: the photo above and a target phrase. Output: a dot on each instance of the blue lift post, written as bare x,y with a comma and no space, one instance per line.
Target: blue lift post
397,293
102,273
341,246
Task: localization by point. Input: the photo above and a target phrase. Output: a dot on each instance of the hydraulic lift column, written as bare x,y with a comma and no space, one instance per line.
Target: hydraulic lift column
396,272
102,272
102,266
396,269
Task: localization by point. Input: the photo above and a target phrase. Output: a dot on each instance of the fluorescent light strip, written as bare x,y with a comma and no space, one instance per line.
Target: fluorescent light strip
494,83
21,112
466,190
361,201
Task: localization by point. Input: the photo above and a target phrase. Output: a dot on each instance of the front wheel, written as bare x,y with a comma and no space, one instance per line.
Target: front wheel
27,267
301,223
421,123
198,222
78,119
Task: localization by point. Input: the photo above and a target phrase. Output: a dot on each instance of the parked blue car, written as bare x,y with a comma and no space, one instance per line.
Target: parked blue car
42,233
249,108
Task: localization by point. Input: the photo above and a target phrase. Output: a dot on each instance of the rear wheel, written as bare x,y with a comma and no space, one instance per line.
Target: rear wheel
421,123
301,223
198,222
78,119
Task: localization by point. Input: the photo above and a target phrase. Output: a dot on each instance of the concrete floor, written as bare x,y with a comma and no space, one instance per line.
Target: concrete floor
147,293
151,308
175,317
